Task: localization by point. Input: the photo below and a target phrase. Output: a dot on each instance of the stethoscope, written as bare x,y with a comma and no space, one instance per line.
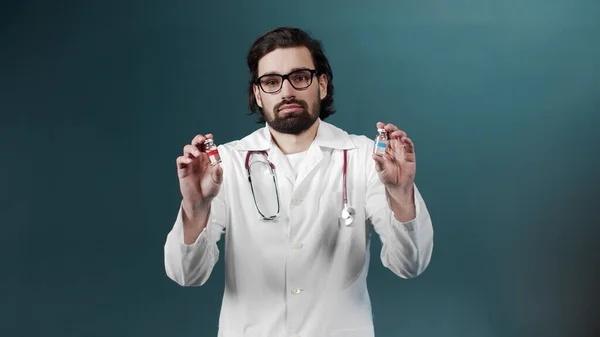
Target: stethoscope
347,214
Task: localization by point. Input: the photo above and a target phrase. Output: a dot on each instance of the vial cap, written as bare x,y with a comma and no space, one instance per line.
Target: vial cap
208,141
380,130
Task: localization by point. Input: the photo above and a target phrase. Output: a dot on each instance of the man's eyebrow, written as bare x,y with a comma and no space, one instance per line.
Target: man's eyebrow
276,73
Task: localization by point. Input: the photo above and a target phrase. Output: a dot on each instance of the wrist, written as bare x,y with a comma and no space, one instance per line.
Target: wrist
195,209
401,196
402,204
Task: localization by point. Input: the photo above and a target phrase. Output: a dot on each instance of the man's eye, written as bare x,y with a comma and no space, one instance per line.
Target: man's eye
270,81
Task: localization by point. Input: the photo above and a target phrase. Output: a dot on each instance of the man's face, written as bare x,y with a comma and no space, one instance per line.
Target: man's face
290,110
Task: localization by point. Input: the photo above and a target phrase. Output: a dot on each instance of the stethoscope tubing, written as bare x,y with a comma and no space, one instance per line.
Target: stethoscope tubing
347,212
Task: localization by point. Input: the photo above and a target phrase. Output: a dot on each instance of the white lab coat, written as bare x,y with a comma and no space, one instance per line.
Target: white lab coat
303,274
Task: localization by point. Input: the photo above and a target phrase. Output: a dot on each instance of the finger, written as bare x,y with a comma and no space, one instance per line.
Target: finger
395,138
199,139
398,134
183,162
191,151
380,125
390,128
409,145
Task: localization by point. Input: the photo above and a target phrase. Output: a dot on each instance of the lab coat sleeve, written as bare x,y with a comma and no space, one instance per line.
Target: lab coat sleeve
191,265
406,246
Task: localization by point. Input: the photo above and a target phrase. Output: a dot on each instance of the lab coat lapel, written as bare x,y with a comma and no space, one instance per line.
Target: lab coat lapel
328,137
282,165
261,140
314,156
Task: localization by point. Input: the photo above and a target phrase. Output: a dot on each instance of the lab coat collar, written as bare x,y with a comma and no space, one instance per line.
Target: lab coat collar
328,136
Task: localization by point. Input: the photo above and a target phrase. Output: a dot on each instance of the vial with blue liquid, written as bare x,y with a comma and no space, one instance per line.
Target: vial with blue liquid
380,142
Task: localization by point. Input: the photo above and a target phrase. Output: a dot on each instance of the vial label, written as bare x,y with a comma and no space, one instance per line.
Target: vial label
380,146
214,157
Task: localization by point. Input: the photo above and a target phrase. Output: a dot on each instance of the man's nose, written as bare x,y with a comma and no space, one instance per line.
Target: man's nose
287,90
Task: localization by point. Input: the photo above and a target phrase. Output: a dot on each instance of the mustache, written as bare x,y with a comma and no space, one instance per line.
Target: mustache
291,101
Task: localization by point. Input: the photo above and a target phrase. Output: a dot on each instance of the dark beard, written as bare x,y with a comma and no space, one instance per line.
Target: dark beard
297,122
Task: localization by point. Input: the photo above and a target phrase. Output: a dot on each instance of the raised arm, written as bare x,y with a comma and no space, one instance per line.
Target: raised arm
396,208
191,247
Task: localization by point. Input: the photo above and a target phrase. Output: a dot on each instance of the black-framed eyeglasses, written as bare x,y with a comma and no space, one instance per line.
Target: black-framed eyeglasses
299,79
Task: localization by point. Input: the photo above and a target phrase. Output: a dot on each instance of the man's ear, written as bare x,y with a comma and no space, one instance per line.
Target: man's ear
323,85
257,95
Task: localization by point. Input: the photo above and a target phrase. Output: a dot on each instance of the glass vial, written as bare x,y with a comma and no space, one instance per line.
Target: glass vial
212,152
380,142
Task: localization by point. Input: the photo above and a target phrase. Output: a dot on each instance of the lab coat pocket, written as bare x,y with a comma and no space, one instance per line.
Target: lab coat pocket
345,242
331,205
326,234
358,332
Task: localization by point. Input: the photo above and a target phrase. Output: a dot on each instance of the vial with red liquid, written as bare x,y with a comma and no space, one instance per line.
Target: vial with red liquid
212,152
380,142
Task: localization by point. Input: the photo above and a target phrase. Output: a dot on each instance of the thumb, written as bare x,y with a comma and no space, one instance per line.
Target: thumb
379,163
217,174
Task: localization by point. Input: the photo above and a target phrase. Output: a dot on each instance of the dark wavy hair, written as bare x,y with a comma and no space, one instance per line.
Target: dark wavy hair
287,37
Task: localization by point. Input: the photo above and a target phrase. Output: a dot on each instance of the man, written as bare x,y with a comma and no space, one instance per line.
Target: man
296,254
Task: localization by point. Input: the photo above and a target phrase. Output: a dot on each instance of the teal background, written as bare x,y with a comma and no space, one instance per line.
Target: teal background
502,98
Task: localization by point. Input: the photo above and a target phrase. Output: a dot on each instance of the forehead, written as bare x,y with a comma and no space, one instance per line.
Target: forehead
284,60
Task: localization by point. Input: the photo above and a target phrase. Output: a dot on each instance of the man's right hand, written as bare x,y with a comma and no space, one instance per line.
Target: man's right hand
199,182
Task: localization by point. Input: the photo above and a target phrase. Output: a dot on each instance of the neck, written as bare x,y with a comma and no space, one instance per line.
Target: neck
290,144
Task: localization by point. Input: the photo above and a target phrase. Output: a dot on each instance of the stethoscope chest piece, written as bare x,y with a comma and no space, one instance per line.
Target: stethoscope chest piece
347,215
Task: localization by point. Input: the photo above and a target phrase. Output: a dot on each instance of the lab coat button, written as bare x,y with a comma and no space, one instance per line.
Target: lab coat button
296,202
295,291
297,245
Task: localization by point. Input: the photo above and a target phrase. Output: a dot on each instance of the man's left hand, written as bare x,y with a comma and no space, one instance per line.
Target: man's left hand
397,167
